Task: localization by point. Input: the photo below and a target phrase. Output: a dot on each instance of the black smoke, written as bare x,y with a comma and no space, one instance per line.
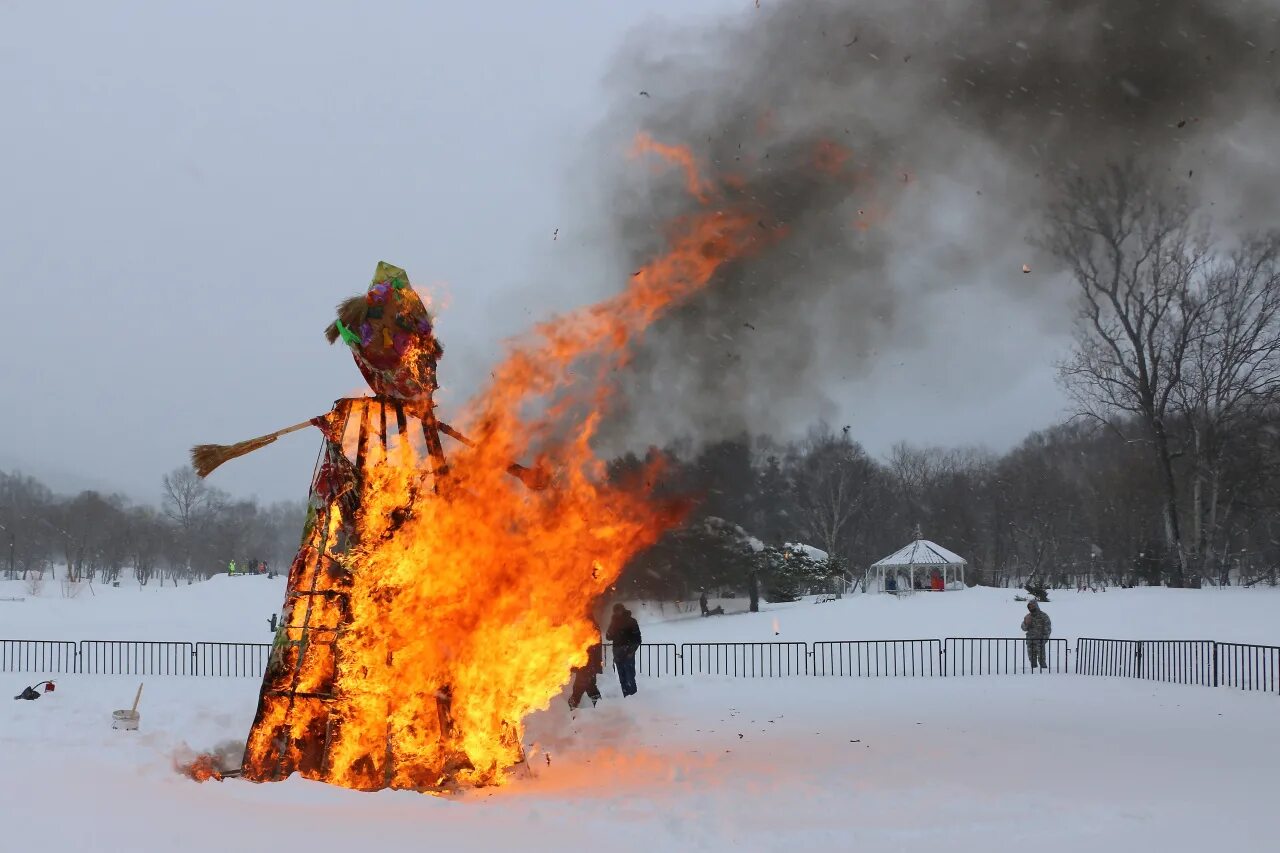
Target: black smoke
954,115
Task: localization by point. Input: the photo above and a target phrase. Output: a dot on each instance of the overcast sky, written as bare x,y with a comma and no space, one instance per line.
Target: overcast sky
187,189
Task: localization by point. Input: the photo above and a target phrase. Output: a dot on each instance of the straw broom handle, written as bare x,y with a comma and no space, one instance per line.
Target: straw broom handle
136,697
205,458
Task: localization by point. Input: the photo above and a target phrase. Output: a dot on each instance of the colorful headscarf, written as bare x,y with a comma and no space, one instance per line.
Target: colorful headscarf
390,334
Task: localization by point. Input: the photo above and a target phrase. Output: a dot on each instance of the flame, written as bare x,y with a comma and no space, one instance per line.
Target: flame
202,768
678,154
467,608
775,626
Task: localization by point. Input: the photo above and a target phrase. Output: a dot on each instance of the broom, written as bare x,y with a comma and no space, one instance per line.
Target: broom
205,458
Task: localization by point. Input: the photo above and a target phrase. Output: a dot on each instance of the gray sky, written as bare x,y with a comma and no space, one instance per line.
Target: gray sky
187,189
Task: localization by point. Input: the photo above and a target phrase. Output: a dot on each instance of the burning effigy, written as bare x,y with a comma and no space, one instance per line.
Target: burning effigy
438,599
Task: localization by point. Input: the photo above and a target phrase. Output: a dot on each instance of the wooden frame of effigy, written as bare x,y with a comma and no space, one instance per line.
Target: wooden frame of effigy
297,717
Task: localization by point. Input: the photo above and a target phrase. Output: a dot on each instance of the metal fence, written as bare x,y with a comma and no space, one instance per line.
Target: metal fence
1192,662
652,659
43,656
1174,661
1249,667
135,657
748,660
1000,655
247,660
871,658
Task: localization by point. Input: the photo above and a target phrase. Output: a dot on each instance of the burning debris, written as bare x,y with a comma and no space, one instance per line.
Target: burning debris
223,762
434,602
202,768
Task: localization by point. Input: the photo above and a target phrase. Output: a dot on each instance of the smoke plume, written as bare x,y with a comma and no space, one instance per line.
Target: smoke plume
904,147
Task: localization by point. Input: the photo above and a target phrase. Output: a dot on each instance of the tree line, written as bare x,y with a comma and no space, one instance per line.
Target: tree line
191,535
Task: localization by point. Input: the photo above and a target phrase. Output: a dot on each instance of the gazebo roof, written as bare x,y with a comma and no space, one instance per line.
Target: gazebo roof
921,552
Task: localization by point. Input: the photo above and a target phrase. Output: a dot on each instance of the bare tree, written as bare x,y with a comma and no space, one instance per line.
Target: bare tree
185,496
188,501
26,535
1140,265
1232,379
147,536
835,484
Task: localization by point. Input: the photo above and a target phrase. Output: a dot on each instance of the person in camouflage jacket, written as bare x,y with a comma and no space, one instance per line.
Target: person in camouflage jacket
1038,628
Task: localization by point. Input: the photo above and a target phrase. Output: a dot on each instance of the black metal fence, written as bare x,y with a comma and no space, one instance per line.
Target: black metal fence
748,660
871,658
43,656
1173,661
135,657
1192,662
248,660
652,659
1249,667
1002,655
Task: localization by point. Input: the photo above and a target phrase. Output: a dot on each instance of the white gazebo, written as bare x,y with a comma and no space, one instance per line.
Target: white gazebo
914,568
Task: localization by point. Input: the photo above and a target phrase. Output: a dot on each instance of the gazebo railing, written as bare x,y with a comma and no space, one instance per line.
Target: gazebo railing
952,577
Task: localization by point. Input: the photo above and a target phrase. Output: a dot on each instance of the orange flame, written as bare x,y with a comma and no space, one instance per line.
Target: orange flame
202,768
678,154
467,609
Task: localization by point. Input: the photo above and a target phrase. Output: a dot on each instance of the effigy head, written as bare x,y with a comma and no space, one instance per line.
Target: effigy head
390,335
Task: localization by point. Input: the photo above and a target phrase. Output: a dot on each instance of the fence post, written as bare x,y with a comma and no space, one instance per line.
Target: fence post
942,658
1137,655
1215,663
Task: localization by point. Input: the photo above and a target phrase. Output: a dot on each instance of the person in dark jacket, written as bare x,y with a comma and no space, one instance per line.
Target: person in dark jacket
584,677
1038,627
624,633
702,602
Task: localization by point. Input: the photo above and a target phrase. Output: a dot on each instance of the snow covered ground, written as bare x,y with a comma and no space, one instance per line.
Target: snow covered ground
1050,763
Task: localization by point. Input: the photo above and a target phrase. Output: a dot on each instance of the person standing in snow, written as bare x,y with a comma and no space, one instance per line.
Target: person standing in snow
584,677
702,602
1038,628
624,633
